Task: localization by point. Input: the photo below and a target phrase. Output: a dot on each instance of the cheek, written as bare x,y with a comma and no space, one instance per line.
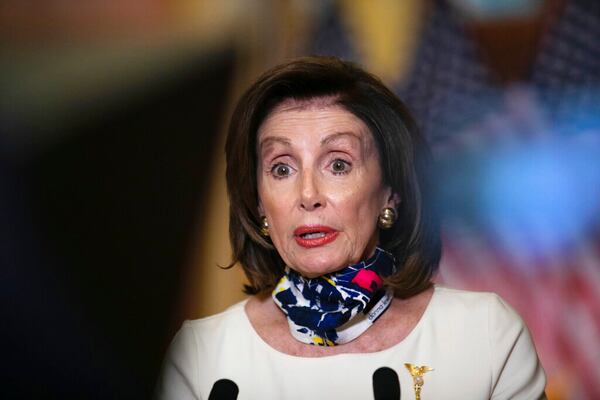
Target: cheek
267,200
359,206
277,211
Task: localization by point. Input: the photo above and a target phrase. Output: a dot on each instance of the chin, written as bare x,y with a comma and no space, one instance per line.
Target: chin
314,268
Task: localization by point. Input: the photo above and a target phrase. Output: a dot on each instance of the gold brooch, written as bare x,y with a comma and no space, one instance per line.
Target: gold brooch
417,374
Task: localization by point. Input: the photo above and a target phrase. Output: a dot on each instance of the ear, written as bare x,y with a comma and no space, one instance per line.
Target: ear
261,210
393,199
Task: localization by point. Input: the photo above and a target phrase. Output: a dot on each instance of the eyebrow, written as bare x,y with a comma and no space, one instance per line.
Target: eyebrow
330,138
274,139
335,136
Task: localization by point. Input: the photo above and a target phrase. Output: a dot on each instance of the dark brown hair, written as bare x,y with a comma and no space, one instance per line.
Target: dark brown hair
404,155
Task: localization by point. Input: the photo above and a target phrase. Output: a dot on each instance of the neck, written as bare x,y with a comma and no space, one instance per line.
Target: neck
272,326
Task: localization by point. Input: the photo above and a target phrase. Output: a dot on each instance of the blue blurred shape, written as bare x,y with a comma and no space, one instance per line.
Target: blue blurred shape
546,193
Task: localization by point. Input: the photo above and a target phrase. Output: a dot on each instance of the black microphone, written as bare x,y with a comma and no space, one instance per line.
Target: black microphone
224,389
386,385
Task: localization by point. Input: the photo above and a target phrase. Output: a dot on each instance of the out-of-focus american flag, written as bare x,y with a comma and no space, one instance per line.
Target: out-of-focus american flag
519,175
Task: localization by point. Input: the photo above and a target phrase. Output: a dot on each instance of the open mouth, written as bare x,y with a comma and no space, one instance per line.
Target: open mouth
314,236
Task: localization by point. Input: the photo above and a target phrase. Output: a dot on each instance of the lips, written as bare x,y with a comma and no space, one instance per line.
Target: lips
310,236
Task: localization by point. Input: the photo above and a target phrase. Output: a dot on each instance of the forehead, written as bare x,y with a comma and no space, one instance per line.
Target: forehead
314,117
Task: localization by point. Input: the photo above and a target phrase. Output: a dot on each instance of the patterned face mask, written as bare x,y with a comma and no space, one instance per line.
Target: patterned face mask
338,307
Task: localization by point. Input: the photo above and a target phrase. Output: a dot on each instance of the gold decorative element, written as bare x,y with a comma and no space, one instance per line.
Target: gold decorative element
417,374
387,217
264,227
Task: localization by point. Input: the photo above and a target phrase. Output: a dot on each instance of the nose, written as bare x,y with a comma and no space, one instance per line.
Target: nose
310,191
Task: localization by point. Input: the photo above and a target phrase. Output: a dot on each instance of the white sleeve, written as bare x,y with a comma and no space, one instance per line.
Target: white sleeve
516,370
179,374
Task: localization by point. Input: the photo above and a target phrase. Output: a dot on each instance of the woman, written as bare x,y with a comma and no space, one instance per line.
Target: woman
330,219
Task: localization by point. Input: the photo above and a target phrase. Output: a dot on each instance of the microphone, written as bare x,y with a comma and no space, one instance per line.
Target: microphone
224,389
386,385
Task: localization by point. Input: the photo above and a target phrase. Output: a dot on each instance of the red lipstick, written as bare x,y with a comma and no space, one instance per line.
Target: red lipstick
310,236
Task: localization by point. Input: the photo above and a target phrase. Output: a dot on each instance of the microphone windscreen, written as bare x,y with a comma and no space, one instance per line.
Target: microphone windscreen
386,385
224,389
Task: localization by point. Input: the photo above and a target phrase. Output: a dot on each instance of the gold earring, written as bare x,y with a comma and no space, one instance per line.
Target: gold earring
387,217
264,227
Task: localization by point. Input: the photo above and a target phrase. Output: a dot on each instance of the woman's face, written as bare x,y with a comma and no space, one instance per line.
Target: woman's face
320,186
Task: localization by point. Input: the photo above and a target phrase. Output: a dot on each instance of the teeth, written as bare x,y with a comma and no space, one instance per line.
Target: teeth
314,235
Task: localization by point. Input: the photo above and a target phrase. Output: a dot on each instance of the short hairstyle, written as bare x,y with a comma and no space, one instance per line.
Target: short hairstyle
405,159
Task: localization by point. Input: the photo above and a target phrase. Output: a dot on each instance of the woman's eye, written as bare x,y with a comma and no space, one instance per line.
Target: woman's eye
340,167
281,170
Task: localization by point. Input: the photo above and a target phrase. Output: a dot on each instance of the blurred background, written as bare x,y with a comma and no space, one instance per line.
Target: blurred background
113,205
